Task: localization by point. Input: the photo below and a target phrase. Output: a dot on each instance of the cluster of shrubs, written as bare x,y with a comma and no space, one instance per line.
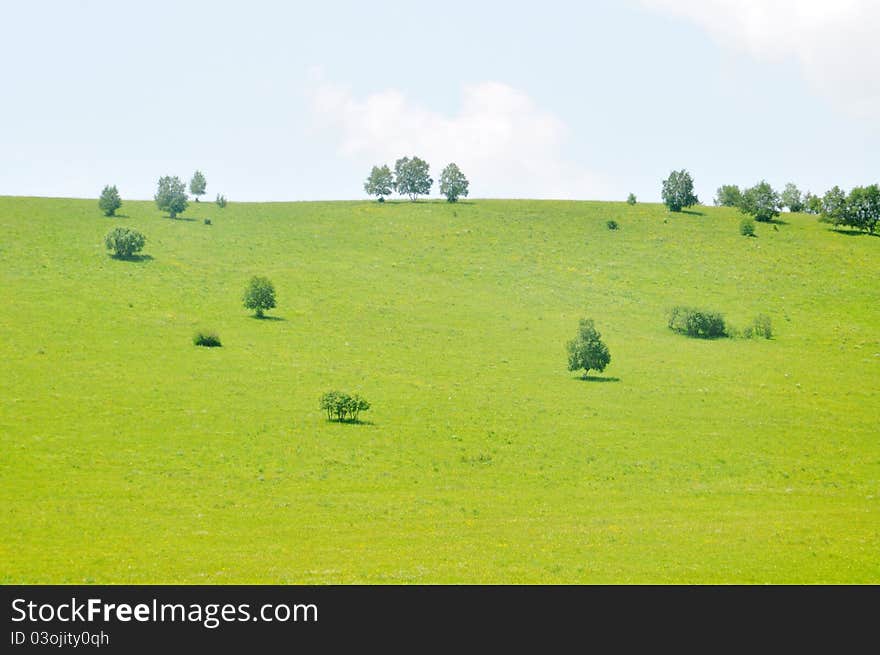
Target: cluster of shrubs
124,242
706,324
698,323
343,407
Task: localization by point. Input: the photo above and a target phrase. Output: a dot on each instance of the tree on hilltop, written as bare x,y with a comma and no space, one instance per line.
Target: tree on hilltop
171,196
109,201
453,183
411,177
678,191
198,184
380,183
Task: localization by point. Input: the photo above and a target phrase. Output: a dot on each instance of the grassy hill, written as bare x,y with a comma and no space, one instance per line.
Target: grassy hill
127,455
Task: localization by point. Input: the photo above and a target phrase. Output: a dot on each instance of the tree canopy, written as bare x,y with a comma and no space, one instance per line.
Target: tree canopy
587,351
380,182
678,191
171,196
411,177
453,183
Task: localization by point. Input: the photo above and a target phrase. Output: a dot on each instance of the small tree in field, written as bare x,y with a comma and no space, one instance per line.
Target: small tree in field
343,407
587,351
171,196
631,199
109,201
728,195
198,184
791,197
380,183
453,183
411,177
678,191
761,202
259,295
124,242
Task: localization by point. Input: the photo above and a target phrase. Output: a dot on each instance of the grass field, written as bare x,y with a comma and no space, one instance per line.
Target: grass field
128,455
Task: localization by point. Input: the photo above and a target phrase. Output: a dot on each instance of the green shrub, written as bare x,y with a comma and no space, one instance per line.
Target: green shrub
207,221
207,338
760,327
631,199
124,242
343,407
221,201
747,227
697,323
612,224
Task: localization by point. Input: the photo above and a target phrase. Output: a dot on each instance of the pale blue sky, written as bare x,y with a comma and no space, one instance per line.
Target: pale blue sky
295,101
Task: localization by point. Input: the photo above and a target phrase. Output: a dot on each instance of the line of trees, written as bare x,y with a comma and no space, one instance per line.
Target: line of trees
412,177
859,209
170,195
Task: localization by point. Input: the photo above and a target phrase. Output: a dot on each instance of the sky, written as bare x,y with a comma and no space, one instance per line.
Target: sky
297,101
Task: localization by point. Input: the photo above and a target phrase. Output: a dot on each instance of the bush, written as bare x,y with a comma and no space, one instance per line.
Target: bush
208,221
631,199
760,327
109,201
612,224
747,227
206,338
587,351
124,242
221,201
697,323
259,295
343,407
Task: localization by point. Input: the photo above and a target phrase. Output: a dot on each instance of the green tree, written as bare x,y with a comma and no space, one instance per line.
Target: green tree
834,205
812,203
728,195
862,208
587,351
678,191
747,227
198,184
631,199
380,183
109,201
791,198
259,295
171,196
411,177
124,242
341,406
453,183
761,202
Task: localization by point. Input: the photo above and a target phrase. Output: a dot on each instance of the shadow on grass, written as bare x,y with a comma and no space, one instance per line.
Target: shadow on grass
855,233
118,216
596,378
137,259
347,422
691,212
183,218
267,318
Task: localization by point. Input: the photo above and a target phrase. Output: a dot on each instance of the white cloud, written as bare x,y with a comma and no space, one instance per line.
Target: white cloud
835,42
503,142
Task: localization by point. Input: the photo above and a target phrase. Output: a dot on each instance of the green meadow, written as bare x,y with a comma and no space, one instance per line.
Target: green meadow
128,455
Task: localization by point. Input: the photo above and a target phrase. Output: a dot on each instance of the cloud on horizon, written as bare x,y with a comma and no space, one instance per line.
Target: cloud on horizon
835,44
502,140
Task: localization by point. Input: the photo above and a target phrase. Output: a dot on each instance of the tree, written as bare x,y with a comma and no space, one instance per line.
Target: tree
124,242
171,196
631,199
833,204
862,208
259,295
221,201
761,202
728,195
678,191
109,201
380,183
411,177
587,351
747,227
197,184
453,183
812,203
342,406
791,198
